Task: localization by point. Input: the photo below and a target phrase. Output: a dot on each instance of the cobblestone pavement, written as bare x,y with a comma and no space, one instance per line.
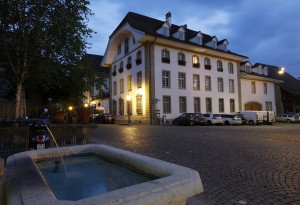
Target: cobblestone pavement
237,164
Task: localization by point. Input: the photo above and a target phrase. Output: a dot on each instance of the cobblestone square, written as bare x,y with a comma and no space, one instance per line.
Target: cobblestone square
237,164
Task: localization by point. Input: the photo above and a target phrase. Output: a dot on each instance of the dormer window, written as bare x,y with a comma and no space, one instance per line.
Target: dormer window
199,40
247,69
266,71
165,56
181,35
181,58
165,31
207,65
219,66
260,71
196,62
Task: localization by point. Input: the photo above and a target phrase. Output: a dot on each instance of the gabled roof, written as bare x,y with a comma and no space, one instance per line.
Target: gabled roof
150,25
290,84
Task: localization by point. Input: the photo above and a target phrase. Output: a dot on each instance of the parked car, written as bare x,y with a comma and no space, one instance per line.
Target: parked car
253,117
242,118
269,117
189,119
213,119
105,118
230,119
287,118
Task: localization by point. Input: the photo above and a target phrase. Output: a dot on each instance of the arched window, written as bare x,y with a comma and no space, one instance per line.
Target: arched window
165,56
181,58
230,68
196,62
220,66
138,59
207,63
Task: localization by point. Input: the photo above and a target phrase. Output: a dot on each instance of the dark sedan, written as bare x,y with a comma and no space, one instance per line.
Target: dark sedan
189,119
105,118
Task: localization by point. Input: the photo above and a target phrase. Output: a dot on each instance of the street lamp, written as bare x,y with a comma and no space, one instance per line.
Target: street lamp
281,71
128,98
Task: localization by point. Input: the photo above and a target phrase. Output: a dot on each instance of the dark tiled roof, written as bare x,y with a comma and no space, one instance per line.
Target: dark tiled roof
290,84
150,26
95,61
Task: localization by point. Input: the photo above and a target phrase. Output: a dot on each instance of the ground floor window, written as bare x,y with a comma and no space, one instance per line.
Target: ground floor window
208,105
121,106
268,106
166,104
182,104
221,105
139,105
232,105
114,107
197,107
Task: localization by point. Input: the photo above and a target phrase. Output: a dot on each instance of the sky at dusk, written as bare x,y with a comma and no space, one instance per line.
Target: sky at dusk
266,31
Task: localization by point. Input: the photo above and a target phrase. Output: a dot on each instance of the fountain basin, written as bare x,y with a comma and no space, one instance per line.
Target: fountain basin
174,184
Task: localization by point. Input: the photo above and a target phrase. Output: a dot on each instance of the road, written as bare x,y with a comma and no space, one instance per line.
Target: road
237,164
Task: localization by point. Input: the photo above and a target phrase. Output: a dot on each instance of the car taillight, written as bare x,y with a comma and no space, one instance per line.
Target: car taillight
40,138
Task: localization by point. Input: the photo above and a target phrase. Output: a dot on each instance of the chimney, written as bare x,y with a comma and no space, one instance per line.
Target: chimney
169,18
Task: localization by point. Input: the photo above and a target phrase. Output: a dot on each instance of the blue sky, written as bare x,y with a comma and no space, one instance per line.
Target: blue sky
267,31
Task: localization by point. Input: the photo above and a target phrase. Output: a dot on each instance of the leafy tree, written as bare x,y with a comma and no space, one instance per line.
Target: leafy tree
40,34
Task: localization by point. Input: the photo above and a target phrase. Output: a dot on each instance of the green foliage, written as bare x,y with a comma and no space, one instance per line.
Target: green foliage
43,43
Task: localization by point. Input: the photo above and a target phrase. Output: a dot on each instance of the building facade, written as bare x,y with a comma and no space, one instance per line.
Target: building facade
160,70
258,89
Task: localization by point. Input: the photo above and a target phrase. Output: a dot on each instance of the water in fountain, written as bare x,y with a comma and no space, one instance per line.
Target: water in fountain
62,160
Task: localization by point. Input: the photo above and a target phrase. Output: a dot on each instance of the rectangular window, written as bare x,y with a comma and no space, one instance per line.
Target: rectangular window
232,105
253,88
181,80
139,79
121,85
197,107
221,105
126,45
139,104
121,106
196,82
166,104
208,105
115,88
220,85
268,106
129,82
265,88
231,86
207,83
114,107
182,104
166,79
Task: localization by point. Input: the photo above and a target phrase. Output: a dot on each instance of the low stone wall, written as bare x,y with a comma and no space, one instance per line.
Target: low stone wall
13,138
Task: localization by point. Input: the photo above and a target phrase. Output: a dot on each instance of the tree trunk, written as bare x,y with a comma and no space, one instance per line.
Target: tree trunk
19,101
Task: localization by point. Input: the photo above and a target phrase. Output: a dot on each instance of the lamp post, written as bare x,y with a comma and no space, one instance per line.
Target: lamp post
128,98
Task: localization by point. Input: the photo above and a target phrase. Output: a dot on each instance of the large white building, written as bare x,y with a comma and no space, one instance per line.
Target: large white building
160,70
